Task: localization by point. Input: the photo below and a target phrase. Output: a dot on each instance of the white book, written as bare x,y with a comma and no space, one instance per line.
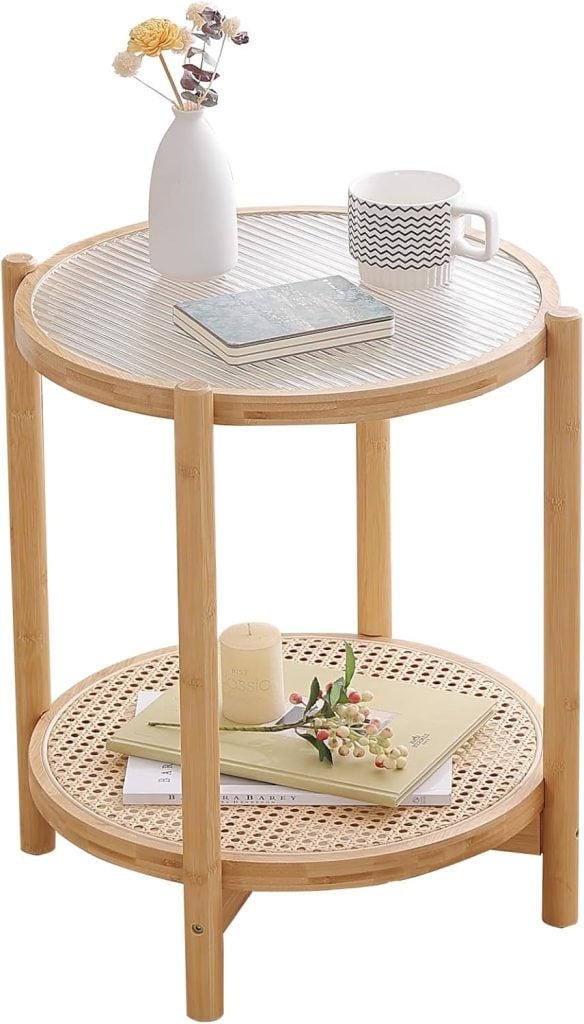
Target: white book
153,782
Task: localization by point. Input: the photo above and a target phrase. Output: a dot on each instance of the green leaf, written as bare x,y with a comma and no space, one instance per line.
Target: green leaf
314,694
324,753
325,710
336,691
349,663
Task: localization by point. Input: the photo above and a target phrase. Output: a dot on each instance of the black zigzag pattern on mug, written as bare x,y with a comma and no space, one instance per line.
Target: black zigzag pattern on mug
429,257
387,262
386,249
432,258
383,207
394,227
418,224
430,248
391,238
398,214
368,236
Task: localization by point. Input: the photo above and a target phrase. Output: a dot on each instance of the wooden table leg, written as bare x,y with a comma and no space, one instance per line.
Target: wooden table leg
562,616
373,529
26,478
203,895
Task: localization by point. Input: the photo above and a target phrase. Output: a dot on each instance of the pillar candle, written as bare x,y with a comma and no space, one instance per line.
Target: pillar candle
252,674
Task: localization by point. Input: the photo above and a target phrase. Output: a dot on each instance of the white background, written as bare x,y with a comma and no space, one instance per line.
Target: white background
490,92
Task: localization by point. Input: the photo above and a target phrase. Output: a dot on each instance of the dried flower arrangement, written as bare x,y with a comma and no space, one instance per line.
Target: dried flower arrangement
156,35
339,719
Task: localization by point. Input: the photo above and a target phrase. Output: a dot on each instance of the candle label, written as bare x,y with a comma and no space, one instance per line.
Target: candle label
237,680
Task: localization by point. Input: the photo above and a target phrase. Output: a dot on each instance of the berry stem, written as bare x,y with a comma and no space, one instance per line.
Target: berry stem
265,728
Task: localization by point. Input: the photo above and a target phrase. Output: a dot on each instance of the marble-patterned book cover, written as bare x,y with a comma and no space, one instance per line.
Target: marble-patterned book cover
287,311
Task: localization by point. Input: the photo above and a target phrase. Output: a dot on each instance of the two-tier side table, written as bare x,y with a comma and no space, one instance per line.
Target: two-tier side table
97,320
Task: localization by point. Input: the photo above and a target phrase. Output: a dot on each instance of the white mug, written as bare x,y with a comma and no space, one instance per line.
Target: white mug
406,227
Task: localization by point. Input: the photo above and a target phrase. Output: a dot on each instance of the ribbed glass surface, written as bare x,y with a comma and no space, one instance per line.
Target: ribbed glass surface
107,304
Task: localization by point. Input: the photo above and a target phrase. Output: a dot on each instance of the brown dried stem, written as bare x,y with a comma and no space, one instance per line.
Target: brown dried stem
179,101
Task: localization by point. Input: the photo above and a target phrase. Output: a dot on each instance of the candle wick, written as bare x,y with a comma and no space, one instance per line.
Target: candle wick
249,629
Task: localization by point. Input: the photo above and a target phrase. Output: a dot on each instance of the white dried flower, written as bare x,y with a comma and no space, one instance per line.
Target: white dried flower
231,26
186,40
195,14
127,64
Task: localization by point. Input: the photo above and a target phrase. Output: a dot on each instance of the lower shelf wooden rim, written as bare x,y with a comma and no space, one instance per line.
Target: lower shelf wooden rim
498,787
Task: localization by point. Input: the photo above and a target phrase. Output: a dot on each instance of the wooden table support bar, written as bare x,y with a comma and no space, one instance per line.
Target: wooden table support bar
26,478
561,711
373,529
203,895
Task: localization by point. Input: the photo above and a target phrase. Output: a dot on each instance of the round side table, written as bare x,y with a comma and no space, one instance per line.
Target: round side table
97,320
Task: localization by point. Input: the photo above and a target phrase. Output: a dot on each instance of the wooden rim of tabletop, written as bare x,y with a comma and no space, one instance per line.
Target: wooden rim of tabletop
281,870
110,386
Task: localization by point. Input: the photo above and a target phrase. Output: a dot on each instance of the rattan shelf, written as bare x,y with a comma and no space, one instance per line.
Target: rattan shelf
497,788
96,320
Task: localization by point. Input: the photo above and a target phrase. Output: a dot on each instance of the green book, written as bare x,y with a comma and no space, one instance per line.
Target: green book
432,723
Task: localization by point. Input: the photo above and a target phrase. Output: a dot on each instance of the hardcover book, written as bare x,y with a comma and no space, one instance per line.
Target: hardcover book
431,722
155,782
285,319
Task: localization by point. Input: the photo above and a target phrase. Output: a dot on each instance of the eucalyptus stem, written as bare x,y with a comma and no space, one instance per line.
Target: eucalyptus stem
207,90
179,101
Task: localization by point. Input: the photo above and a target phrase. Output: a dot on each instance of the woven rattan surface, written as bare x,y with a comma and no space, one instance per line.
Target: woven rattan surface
487,770
105,303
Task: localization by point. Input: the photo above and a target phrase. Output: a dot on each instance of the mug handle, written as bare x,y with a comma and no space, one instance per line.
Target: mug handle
461,247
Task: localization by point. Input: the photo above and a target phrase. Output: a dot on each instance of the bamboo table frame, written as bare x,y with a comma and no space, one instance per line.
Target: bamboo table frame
554,335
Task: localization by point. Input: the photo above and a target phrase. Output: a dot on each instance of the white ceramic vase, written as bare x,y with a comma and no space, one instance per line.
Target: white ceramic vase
192,215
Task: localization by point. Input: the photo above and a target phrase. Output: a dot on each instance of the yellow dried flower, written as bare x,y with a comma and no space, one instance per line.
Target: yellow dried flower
195,14
231,26
127,64
155,35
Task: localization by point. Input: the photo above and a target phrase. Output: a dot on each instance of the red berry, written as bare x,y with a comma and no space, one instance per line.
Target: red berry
354,697
295,698
322,734
379,762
